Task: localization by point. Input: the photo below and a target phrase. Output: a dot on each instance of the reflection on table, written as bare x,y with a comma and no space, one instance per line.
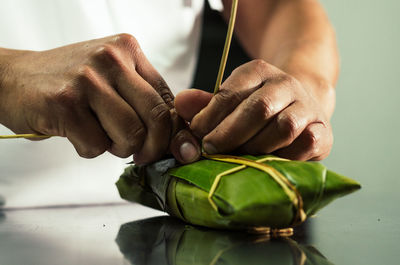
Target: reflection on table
166,240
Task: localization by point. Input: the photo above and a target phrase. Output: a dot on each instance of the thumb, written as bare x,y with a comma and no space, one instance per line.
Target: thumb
184,146
190,102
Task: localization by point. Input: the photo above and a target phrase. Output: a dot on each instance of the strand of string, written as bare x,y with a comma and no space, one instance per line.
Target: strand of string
227,45
27,135
232,159
289,189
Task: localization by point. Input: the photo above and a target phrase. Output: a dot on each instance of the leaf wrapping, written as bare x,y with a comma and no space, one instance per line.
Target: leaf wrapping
244,199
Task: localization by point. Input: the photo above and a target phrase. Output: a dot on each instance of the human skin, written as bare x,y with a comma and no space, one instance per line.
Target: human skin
282,101
103,95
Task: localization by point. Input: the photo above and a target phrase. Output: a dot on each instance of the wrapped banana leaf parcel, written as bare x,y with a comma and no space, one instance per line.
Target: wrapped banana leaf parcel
235,192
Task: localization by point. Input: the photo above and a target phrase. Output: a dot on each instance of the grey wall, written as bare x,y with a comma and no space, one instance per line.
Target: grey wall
366,128
366,121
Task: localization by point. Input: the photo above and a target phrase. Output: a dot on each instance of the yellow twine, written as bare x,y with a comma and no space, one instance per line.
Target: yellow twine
32,136
289,189
230,171
227,45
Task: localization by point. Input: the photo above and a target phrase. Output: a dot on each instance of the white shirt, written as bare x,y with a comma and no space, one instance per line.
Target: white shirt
50,172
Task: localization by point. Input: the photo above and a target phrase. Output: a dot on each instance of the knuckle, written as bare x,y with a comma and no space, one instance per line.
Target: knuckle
160,114
312,141
85,74
128,41
122,152
260,66
259,63
130,138
288,80
261,106
106,50
288,125
66,97
228,97
87,79
135,138
163,90
86,154
47,127
243,69
124,155
109,54
91,152
125,38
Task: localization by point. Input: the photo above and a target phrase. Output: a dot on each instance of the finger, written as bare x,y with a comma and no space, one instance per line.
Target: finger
282,130
123,54
121,123
190,102
153,112
150,104
146,70
314,143
238,86
184,146
248,119
143,67
86,135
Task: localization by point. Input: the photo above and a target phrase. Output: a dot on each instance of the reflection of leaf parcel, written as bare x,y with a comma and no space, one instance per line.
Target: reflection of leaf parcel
165,240
244,199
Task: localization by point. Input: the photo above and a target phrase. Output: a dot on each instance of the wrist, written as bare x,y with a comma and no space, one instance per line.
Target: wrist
315,65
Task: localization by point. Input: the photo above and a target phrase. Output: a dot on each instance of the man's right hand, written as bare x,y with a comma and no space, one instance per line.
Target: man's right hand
103,95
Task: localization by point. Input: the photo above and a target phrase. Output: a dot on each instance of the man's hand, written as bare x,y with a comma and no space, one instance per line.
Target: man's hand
259,110
101,94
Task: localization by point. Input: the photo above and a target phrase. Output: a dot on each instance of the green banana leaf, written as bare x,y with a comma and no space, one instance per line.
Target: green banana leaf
166,240
244,199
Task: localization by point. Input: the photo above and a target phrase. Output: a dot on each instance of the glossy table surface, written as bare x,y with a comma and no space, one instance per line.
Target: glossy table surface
359,229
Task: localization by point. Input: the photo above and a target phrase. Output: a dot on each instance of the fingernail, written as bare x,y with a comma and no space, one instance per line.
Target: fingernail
188,152
209,148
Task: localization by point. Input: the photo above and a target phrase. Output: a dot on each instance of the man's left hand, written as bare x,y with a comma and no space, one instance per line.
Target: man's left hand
259,109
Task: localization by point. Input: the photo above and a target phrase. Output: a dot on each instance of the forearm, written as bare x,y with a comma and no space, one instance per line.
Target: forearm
295,36
3,74
6,58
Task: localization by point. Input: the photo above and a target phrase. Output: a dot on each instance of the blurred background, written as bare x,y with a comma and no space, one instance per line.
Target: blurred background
366,127
366,121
